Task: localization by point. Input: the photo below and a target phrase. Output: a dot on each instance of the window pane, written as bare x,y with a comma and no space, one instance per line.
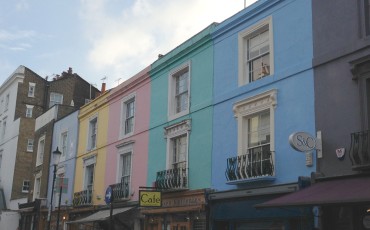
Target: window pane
259,130
129,119
179,150
181,96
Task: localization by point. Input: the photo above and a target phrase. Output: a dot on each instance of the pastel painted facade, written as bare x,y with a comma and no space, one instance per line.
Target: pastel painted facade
89,184
180,136
263,92
65,138
127,150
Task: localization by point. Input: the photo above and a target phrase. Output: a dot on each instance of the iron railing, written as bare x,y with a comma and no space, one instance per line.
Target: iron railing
257,163
120,190
360,150
176,178
83,197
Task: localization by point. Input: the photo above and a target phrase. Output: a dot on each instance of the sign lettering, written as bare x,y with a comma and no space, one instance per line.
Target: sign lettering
150,198
302,141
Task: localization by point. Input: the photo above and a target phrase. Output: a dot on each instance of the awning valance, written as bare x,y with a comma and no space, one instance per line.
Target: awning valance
100,215
330,192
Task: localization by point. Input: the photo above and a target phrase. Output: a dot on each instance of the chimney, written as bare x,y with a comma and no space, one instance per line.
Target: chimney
103,87
69,70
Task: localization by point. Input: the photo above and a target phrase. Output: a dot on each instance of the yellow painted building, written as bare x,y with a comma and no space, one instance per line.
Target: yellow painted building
91,156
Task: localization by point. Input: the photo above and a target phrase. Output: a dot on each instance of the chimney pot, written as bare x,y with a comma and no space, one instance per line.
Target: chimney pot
69,70
103,87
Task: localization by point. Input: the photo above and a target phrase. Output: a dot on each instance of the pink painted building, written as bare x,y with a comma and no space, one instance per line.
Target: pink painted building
127,150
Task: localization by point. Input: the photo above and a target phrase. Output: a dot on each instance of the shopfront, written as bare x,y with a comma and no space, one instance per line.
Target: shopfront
338,203
236,210
183,210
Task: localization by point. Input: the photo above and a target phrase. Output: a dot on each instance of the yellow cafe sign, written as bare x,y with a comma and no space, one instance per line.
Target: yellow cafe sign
150,198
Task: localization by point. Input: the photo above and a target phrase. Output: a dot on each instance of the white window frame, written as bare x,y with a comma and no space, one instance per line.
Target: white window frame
1,160
243,74
40,151
24,185
7,98
64,144
37,186
53,101
175,131
87,163
90,133
3,128
31,89
29,109
249,107
172,113
124,151
124,118
30,145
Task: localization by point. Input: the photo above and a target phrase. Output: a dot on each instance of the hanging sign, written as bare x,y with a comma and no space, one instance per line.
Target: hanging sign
302,141
150,198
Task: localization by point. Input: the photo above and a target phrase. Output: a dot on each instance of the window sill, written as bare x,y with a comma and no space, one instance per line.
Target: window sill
251,180
177,115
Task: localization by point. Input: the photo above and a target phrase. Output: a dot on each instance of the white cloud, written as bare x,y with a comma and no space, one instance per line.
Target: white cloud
6,35
144,28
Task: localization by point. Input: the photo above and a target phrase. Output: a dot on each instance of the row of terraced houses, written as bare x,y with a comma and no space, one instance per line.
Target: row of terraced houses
257,122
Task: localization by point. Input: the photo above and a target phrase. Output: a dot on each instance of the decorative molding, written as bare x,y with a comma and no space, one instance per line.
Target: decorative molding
256,103
177,129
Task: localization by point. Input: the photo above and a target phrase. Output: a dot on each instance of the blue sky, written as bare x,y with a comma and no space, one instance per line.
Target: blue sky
100,38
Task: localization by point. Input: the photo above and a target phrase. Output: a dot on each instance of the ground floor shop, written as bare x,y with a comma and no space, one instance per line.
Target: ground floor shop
182,210
341,203
115,217
236,210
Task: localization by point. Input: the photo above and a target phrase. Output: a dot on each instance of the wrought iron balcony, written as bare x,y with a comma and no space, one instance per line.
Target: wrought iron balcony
256,164
176,178
360,150
120,190
83,197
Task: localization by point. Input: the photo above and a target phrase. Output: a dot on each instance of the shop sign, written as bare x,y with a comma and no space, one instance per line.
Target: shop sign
150,198
184,201
302,141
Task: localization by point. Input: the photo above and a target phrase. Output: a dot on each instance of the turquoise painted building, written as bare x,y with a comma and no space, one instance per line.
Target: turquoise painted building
263,92
180,136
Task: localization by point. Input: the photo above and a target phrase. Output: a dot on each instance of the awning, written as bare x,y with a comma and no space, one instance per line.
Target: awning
101,215
343,191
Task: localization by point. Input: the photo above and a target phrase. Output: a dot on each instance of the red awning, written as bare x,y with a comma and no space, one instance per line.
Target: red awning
338,191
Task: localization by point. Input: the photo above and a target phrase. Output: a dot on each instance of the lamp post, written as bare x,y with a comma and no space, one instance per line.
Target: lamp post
56,157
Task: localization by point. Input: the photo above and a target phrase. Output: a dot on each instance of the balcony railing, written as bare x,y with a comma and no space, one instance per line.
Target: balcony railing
176,178
83,197
257,163
360,150
120,190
